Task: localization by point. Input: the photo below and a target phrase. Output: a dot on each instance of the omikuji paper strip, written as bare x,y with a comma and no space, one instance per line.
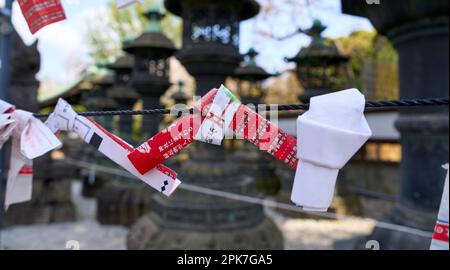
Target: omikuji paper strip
171,140
65,118
227,113
440,236
40,13
30,139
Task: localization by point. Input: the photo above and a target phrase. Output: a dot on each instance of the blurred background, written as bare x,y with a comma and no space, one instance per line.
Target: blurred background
164,53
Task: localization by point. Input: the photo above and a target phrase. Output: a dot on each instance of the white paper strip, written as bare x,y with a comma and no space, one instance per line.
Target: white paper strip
328,135
219,117
31,139
440,237
65,118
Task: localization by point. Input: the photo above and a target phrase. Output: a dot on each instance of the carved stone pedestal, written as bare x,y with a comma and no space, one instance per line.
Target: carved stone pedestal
147,234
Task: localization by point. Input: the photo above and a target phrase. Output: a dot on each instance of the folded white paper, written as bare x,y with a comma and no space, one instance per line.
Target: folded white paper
440,236
31,139
328,135
65,118
125,3
7,125
219,117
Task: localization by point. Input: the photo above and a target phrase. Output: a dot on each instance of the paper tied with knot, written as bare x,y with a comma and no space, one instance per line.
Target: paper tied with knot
30,139
65,118
328,135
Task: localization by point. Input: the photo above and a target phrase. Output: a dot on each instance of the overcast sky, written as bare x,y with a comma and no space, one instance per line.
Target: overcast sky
63,45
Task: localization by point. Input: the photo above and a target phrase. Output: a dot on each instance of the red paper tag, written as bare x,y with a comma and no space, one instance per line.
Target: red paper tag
164,145
171,140
441,232
40,13
265,135
26,170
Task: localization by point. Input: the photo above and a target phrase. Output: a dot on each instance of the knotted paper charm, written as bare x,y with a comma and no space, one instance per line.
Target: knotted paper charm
328,135
30,139
65,118
7,124
227,115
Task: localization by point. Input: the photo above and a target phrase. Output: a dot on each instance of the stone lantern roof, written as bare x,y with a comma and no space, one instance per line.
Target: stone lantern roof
250,71
152,40
319,51
124,63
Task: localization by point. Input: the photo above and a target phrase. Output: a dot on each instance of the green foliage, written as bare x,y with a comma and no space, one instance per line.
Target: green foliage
107,31
374,63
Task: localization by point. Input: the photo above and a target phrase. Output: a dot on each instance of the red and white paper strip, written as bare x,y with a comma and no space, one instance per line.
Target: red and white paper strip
218,117
440,236
171,140
65,118
227,113
30,139
7,124
40,13
214,122
125,3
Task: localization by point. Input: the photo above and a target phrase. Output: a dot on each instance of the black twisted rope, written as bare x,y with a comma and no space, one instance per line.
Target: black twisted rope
383,104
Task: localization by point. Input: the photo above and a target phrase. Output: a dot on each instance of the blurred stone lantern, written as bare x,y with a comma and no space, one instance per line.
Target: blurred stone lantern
180,96
321,68
123,93
249,77
253,162
211,37
96,99
150,76
191,220
419,32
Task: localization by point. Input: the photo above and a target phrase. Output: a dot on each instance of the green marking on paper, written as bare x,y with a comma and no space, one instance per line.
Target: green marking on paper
229,94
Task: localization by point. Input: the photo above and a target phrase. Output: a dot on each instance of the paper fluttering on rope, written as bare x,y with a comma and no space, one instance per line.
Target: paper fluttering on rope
124,3
65,118
227,114
30,139
328,135
220,113
40,13
170,141
7,124
440,235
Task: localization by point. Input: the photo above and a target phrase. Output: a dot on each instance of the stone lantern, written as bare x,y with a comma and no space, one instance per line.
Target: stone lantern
180,96
320,66
150,76
190,220
252,162
419,31
123,94
96,99
249,77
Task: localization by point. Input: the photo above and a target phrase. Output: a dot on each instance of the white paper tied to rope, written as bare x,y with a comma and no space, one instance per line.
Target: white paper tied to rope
440,236
328,135
219,117
30,139
65,118
7,124
124,3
